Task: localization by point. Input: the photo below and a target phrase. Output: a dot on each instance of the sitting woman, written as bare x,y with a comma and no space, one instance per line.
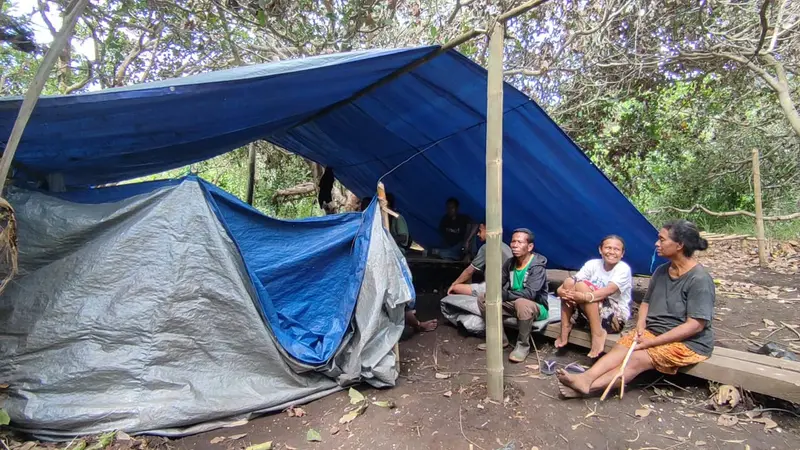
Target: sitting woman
600,293
674,327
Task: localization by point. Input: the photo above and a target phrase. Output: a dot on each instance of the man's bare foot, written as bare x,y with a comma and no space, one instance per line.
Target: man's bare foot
577,383
429,325
598,345
563,340
567,392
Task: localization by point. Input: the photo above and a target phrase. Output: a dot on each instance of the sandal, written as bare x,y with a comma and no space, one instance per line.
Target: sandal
548,368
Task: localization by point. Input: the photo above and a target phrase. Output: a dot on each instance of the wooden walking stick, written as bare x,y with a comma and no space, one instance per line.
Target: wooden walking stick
620,374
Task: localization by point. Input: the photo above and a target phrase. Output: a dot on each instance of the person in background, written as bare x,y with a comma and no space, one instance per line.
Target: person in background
365,201
599,293
462,284
674,328
523,291
398,227
456,230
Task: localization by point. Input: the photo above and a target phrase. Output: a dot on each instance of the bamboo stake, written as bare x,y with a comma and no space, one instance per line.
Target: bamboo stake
620,374
251,173
384,205
762,253
494,213
35,89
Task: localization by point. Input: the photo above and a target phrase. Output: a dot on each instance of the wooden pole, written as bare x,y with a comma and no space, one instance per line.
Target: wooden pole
251,173
494,213
35,89
384,206
762,252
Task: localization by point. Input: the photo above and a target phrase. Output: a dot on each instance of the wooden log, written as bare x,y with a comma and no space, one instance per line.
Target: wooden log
494,214
762,246
757,373
35,89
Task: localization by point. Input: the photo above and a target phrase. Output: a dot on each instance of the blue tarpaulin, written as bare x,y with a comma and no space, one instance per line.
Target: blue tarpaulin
437,112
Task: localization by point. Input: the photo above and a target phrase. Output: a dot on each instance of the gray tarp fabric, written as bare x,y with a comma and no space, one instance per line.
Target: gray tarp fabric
462,311
139,315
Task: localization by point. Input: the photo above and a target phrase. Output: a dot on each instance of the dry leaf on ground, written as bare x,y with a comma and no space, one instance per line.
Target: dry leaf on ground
385,404
334,430
448,394
726,420
296,412
313,436
643,412
768,423
355,396
263,446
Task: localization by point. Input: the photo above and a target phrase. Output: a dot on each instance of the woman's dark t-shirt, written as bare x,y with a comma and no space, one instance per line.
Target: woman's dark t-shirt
672,301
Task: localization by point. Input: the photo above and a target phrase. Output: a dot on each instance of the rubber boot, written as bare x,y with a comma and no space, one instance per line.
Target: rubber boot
523,347
482,345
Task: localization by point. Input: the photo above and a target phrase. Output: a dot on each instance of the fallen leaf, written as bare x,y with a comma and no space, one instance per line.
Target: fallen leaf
442,376
263,446
296,412
313,436
727,395
235,424
218,440
80,445
768,423
752,414
643,412
4,418
385,404
355,396
236,437
755,333
726,420
448,394
103,441
349,417
334,430
123,436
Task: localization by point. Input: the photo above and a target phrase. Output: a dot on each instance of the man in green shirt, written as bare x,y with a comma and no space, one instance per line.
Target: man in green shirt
523,291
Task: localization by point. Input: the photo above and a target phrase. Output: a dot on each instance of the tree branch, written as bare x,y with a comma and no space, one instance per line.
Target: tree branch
702,208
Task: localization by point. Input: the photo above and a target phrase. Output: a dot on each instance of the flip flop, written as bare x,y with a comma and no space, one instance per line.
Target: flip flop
575,368
548,368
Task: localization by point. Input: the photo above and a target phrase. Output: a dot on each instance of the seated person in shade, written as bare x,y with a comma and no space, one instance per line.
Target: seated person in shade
599,293
523,291
674,327
462,284
456,230
398,227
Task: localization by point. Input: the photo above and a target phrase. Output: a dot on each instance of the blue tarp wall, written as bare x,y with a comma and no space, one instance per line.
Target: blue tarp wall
306,273
437,111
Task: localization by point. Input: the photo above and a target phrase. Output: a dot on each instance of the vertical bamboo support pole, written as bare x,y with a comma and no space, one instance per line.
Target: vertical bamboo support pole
384,206
35,89
494,213
251,173
762,252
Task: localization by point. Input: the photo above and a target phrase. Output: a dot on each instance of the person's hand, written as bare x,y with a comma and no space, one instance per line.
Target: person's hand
640,328
450,289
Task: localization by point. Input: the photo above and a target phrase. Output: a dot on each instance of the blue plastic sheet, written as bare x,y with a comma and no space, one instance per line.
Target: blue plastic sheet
424,133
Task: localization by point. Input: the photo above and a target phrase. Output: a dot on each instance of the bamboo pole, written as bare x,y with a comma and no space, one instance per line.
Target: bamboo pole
494,213
35,89
762,253
251,173
384,206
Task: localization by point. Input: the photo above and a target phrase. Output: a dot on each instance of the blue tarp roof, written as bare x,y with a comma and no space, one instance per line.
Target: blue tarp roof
549,185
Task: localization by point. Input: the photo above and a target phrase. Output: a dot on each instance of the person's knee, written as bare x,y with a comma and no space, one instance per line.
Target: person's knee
580,286
524,308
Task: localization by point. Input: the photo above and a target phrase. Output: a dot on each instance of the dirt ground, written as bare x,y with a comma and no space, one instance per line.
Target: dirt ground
449,411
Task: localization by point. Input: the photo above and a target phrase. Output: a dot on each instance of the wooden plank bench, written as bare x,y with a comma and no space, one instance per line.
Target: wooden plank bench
775,377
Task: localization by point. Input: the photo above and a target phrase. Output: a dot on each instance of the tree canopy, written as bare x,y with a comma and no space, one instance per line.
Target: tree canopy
669,99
